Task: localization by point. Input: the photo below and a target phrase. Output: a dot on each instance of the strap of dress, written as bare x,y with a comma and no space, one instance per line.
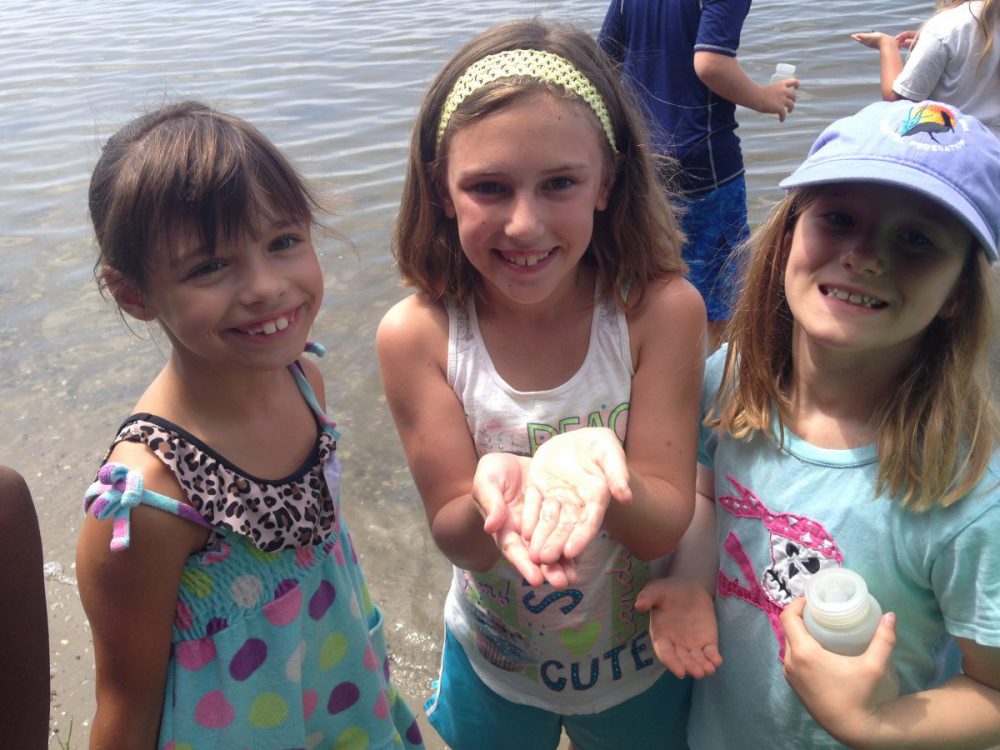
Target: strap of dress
307,392
117,491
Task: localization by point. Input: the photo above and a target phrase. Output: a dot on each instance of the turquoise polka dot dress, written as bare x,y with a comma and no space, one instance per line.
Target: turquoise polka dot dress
276,644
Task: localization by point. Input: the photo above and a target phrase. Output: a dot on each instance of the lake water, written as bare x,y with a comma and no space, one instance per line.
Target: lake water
336,85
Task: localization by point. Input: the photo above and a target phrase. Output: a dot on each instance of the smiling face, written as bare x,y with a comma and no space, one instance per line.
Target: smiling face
523,184
871,266
250,304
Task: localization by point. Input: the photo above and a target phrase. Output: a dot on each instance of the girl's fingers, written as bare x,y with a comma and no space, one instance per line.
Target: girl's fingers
560,575
668,658
585,530
491,503
530,512
884,639
712,654
609,459
548,520
513,549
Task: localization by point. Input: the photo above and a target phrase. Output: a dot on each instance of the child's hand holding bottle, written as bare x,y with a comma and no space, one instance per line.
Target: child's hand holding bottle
840,692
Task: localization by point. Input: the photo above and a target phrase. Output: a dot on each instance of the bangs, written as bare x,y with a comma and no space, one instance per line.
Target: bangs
223,188
202,179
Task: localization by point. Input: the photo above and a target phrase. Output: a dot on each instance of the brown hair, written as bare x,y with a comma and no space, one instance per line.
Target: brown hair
936,431
636,239
187,170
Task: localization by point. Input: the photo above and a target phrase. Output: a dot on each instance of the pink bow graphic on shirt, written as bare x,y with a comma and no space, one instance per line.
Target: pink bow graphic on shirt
800,547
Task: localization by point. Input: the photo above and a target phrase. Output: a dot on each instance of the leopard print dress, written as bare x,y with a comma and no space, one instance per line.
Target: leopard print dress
276,642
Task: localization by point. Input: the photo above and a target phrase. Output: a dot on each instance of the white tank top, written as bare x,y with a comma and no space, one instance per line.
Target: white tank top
571,651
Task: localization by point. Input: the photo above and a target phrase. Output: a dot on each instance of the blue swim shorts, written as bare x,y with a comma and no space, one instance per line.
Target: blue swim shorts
716,224
470,716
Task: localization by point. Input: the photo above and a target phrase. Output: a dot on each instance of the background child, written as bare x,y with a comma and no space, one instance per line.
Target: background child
955,58
852,426
680,56
225,598
24,643
550,300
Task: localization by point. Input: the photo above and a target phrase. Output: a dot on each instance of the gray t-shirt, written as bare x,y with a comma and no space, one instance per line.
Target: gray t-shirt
946,65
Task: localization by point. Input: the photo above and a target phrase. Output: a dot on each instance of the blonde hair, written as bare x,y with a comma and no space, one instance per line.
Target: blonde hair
936,431
988,21
636,240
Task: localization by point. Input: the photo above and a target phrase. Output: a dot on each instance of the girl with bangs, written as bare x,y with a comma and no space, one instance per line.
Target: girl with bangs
849,422
224,595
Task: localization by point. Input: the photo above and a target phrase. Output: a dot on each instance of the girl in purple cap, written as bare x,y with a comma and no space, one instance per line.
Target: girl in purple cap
849,423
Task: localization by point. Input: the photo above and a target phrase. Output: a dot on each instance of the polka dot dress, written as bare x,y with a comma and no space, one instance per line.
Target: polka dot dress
278,650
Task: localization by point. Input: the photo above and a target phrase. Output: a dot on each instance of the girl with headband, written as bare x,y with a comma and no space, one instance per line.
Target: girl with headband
544,381
850,422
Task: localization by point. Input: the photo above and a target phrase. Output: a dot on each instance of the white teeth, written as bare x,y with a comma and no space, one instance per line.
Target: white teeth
271,326
526,261
854,299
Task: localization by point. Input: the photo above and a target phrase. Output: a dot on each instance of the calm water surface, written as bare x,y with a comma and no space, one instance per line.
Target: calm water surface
336,86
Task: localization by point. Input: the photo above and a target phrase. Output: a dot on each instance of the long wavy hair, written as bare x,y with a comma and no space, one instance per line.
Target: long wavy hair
935,431
636,240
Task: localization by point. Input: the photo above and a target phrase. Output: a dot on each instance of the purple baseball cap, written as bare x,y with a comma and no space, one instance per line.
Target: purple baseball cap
929,147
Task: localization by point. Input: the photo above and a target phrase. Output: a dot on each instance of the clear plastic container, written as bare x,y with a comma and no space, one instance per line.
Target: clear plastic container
782,71
843,616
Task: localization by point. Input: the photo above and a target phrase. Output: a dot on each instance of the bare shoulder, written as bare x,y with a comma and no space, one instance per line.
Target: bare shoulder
15,498
413,326
156,534
670,306
156,475
130,597
315,378
673,294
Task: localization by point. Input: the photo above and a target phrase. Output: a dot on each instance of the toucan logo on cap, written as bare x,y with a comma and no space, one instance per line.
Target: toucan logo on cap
932,119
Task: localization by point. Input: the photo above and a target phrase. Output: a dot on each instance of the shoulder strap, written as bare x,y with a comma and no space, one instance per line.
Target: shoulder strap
307,392
118,490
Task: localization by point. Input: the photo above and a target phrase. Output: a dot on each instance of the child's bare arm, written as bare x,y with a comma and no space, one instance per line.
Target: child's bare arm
668,337
682,610
468,513
725,76
890,60
963,712
130,597
24,646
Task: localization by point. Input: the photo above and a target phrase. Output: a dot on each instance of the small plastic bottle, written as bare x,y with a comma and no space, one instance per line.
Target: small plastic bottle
843,616
782,71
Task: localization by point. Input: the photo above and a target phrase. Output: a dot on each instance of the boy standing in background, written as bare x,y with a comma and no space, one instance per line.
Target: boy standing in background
680,57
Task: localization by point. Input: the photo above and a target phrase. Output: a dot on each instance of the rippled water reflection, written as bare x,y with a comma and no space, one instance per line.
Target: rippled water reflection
336,85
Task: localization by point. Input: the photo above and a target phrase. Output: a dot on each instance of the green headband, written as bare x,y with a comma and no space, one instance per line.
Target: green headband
530,63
